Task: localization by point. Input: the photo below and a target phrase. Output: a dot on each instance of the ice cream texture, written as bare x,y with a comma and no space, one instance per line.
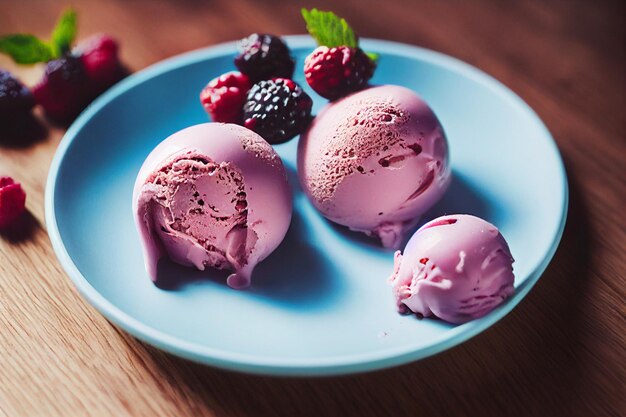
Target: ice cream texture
456,267
212,195
375,161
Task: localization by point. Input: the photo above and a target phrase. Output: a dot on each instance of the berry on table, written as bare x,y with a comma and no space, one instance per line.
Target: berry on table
277,109
99,55
12,201
15,98
63,90
72,81
72,78
338,71
223,97
263,56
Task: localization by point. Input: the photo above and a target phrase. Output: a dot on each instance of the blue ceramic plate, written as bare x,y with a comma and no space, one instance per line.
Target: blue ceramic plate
319,304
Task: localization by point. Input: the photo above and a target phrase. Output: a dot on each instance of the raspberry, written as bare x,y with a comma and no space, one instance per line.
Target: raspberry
263,56
277,109
336,72
99,55
12,201
223,97
15,98
63,90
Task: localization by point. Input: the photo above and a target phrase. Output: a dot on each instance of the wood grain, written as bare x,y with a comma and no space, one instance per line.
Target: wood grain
560,352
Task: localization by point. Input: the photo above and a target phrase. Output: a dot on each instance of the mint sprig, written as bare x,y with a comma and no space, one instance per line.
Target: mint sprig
64,33
28,49
330,30
25,49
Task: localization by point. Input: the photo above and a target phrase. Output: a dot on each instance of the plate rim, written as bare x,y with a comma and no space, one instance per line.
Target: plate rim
248,363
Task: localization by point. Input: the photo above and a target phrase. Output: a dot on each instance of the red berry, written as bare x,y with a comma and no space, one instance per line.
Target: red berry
63,90
336,72
99,55
223,97
12,201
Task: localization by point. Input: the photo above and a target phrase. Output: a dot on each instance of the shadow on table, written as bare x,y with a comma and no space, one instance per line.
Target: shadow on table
530,363
22,229
23,133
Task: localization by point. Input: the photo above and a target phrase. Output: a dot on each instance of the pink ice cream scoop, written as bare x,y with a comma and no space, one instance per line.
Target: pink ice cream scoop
212,195
455,267
375,161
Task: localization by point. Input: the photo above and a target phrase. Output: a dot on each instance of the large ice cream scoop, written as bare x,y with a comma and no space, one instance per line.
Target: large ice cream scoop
456,267
212,195
375,161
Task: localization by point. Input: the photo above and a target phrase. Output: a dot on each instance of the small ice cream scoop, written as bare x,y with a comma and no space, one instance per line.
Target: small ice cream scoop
375,161
212,195
455,267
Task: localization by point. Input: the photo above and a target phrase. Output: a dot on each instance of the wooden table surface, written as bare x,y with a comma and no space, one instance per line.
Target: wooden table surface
560,352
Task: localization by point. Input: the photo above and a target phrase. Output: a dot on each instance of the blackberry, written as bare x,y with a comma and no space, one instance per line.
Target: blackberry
263,56
336,72
65,70
277,109
15,98
63,91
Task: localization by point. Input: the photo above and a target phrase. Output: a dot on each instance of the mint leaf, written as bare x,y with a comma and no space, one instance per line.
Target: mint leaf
64,33
328,29
28,49
25,49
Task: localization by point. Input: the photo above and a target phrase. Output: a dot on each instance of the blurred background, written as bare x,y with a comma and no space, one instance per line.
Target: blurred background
539,49
516,41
